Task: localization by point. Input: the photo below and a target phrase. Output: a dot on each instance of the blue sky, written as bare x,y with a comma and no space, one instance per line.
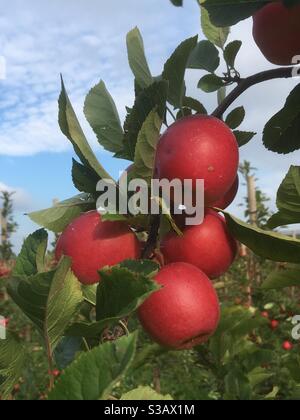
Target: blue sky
85,41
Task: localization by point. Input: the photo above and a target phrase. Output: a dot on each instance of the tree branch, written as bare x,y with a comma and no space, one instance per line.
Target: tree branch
244,84
152,239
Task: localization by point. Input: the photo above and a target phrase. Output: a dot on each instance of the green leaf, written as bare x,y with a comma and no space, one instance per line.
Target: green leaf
12,361
71,128
49,299
236,117
145,393
231,51
174,71
204,56
30,261
154,97
217,36
93,375
282,133
284,277
237,386
145,150
228,12
258,376
121,291
273,394
84,178
90,293
243,137
194,105
177,3
288,200
221,94
146,268
66,351
57,218
210,83
137,59
269,245
101,112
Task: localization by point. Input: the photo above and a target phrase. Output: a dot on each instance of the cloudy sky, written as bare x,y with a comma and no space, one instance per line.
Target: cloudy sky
85,41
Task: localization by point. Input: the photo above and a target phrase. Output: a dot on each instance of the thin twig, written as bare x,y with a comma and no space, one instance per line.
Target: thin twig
244,84
152,238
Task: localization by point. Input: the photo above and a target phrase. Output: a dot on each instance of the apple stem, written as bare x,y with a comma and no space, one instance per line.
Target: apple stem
244,84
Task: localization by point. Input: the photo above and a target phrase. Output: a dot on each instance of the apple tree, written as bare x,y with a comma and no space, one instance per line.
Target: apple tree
114,269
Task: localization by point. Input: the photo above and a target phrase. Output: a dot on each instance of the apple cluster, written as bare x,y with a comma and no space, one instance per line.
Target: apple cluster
185,311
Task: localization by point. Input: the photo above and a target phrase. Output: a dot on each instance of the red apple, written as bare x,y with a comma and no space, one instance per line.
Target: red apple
274,324
208,246
276,31
199,147
287,346
185,312
93,244
265,314
228,198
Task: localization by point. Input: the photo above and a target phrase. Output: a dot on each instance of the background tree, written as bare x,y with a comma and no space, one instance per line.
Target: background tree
8,226
262,211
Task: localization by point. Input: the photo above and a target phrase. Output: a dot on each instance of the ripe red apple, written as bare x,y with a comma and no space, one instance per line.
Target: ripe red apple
276,31
185,312
274,324
208,246
199,147
228,198
265,314
93,244
287,346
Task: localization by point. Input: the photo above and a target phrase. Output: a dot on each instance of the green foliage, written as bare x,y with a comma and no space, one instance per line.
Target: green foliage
145,150
137,59
31,259
101,112
231,51
235,118
86,330
71,128
12,359
58,217
288,200
227,12
121,291
144,393
93,375
84,178
283,277
217,36
205,57
281,133
269,245
243,137
153,97
174,71
50,299
210,83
